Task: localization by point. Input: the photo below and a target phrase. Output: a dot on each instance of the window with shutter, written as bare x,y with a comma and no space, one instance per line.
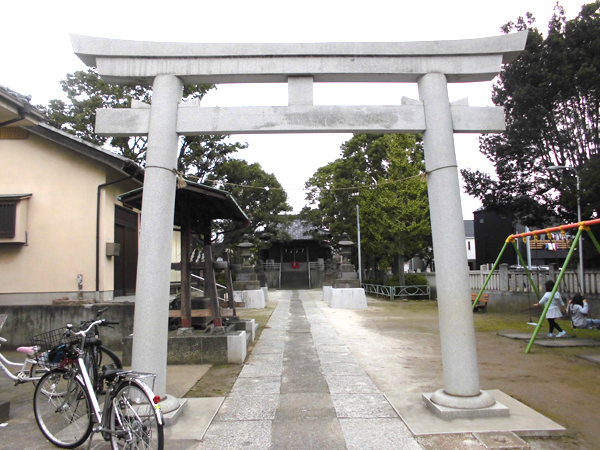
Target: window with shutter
8,215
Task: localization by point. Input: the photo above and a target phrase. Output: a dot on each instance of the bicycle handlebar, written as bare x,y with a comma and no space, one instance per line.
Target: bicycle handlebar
83,333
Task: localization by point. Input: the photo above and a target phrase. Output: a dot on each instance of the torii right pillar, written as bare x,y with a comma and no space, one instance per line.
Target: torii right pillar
461,392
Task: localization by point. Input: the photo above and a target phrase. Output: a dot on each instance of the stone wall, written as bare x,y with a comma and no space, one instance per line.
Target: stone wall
26,321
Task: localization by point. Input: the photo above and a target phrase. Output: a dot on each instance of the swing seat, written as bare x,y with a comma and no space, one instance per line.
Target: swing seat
482,303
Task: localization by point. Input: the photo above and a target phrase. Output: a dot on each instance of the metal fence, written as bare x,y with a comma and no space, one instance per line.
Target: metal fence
397,291
518,281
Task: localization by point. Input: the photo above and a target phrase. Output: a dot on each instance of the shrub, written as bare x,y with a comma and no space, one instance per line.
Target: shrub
415,279
393,281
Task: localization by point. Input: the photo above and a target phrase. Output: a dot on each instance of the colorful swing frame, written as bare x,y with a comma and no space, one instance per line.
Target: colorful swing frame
581,226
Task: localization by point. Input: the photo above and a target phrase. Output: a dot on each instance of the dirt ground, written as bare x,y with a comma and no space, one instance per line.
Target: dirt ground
553,381
404,336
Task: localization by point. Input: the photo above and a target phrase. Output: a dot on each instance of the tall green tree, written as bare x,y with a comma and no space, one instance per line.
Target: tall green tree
86,91
381,174
257,192
395,213
551,97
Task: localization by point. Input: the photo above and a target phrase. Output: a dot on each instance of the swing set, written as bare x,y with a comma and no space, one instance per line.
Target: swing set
512,239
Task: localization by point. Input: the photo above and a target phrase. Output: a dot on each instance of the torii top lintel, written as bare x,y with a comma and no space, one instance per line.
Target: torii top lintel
298,65
138,62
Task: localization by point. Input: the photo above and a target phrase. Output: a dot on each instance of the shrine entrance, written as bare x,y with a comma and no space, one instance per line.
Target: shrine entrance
432,65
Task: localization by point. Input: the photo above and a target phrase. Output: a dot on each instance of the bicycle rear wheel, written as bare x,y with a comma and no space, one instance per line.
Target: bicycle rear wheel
133,420
63,409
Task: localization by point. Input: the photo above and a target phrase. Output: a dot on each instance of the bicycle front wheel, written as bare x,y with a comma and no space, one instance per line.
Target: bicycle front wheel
36,372
62,409
133,421
107,357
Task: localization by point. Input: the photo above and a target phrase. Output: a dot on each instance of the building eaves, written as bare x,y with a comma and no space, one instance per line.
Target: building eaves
11,103
88,149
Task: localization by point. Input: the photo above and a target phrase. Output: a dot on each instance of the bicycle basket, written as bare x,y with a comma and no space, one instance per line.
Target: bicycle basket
53,347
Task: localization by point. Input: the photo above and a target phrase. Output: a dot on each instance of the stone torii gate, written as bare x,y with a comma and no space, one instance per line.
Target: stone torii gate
168,66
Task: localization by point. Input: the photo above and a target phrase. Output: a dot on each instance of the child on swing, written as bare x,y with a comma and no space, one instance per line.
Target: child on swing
578,309
554,312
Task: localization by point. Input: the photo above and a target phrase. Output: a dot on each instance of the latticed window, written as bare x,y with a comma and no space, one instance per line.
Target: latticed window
7,220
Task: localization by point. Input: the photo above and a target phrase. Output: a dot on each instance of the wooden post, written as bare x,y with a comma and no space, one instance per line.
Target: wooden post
210,285
229,283
186,279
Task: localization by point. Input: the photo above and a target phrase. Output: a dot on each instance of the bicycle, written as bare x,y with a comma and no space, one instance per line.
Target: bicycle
97,355
66,405
30,370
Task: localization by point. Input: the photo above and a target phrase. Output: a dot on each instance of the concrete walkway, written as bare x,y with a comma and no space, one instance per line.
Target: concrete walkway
302,389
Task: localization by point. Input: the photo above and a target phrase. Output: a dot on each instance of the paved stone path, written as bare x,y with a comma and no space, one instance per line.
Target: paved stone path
302,389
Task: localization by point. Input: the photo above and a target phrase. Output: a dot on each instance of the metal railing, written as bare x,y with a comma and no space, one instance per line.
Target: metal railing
397,291
218,285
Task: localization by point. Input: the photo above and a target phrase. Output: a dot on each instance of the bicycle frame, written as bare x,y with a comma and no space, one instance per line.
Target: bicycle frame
22,376
83,373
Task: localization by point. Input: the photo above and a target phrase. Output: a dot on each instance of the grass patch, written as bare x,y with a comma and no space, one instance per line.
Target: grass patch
219,379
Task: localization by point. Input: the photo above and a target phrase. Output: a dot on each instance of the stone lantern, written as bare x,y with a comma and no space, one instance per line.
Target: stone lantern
345,291
345,248
245,250
347,276
246,279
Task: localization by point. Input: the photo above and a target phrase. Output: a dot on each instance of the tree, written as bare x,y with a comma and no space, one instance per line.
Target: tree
381,174
395,213
257,192
551,97
198,155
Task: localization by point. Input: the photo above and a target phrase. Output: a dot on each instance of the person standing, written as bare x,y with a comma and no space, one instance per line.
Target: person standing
578,309
554,312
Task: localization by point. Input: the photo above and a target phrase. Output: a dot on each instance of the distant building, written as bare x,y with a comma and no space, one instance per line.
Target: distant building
491,230
470,243
297,248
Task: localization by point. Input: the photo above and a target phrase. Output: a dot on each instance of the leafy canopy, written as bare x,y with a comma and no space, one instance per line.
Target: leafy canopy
551,97
257,192
86,91
382,175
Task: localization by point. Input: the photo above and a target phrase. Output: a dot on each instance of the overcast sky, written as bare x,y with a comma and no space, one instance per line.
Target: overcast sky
37,54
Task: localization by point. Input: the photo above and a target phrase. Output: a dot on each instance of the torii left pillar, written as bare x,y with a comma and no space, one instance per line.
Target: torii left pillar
150,332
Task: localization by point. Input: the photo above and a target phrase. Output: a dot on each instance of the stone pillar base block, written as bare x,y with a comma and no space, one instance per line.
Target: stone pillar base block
479,406
172,408
327,294
348,298
252,299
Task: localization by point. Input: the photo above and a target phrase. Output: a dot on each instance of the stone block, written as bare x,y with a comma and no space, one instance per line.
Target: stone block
252,299
199,348
497,410
348,276
246,277
248,325
348,298
246,285
236,347
346,284
327,294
